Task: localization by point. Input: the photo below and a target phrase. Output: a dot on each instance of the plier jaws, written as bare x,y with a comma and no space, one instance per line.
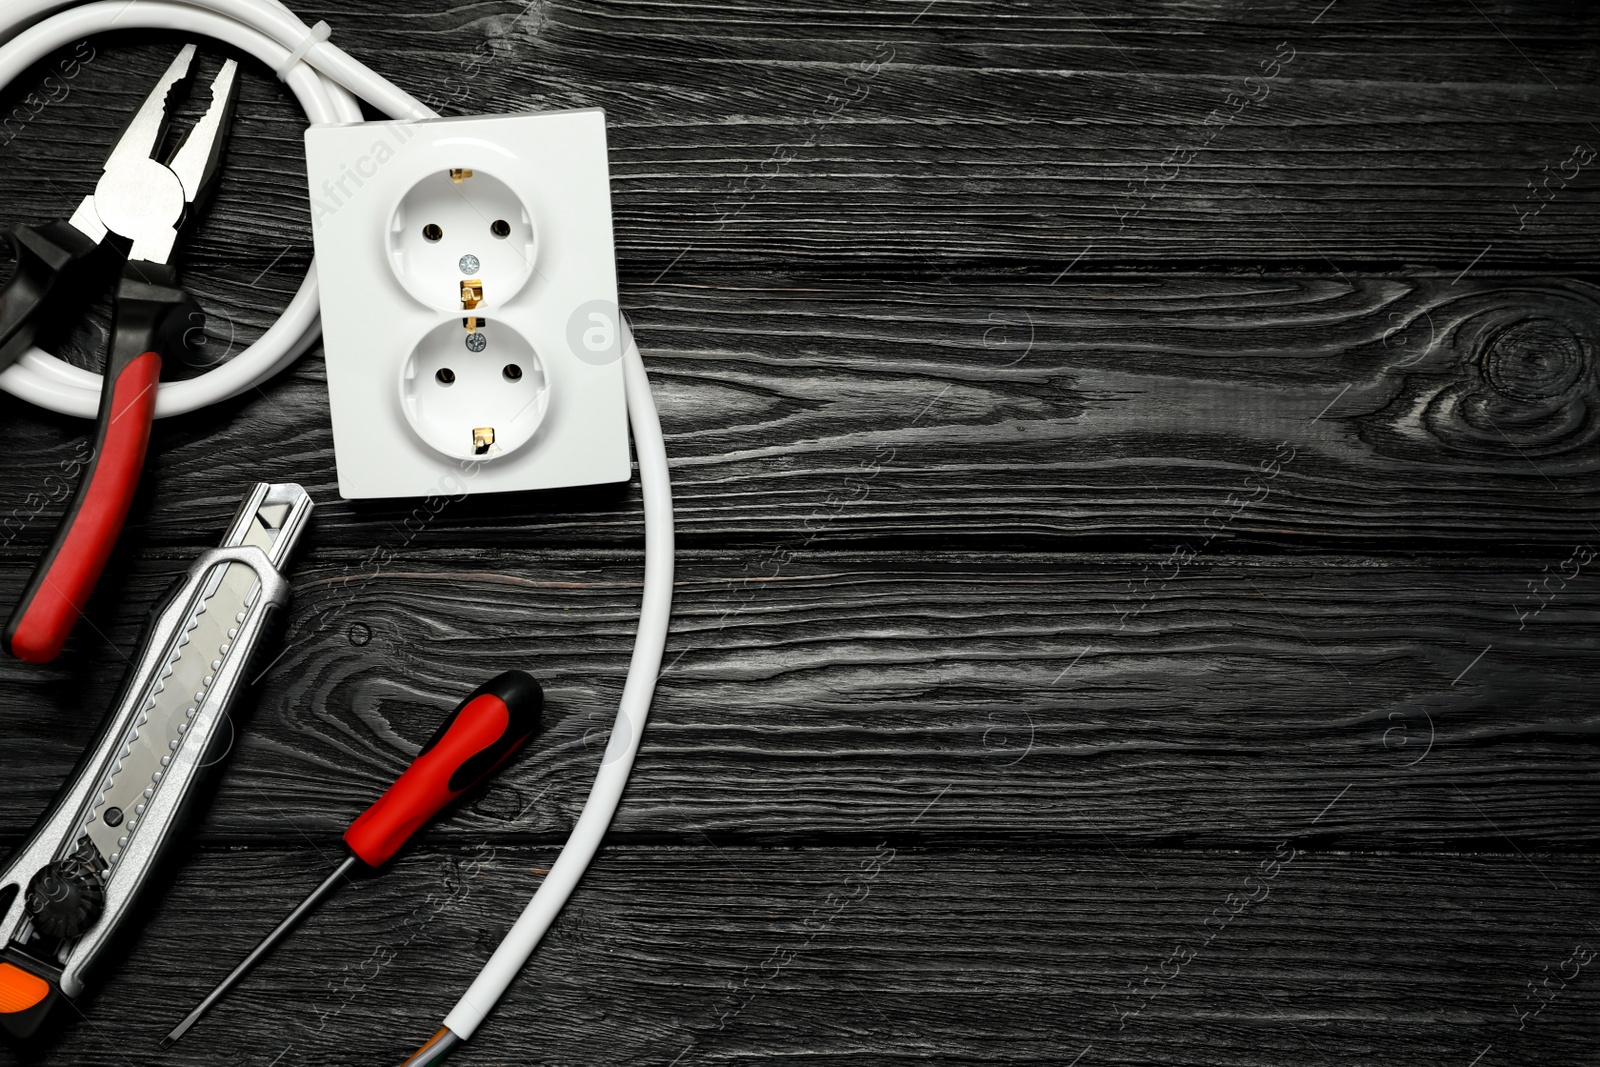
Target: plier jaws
145,201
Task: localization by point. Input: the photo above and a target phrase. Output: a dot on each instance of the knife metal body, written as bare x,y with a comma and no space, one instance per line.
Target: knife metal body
66,891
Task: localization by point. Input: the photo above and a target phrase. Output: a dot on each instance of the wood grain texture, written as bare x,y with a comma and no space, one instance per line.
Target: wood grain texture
968,134
1036,698
1401,410
1090,488
877,955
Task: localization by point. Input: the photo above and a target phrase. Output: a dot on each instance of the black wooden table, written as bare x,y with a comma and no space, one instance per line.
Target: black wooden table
1137,602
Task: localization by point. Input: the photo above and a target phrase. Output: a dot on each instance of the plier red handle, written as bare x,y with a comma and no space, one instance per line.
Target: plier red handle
132,219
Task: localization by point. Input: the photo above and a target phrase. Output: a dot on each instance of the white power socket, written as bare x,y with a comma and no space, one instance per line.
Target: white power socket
469,303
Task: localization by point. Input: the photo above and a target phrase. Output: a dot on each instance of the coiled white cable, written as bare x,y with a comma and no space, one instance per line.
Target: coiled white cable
327,82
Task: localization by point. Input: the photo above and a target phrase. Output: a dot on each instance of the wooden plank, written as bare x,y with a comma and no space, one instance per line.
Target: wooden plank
1212,701
878,954
1394,410
960,136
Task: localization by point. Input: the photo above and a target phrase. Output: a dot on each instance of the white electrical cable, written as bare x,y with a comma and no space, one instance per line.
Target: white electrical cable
324,81
581,844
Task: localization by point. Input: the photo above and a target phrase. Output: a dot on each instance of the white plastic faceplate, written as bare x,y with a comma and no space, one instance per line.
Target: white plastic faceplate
388,286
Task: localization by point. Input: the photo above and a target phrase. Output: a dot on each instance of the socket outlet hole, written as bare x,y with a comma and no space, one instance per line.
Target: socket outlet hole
436,236
500,386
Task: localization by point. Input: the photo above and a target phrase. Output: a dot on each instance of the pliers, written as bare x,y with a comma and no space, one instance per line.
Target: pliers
132,219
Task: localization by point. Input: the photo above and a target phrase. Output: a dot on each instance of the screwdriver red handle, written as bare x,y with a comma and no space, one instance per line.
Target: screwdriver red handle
481,734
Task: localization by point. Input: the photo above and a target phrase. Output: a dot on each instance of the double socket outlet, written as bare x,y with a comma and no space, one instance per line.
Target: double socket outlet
469,303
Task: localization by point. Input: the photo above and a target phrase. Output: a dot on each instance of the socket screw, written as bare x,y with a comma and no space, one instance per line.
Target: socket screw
476,342
468,264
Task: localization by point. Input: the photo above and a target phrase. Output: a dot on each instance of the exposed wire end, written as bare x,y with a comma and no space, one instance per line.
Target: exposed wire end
434,1050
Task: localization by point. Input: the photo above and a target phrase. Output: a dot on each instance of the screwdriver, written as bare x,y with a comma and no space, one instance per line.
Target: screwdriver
494,721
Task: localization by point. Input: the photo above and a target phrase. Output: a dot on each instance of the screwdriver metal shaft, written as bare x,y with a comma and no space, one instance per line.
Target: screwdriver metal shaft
261,950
